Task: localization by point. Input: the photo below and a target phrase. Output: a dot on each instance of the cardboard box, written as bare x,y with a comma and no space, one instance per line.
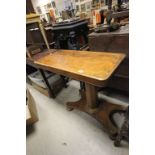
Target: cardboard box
55,81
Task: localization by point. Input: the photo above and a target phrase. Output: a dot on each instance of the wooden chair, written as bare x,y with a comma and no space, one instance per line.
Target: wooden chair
51,82
33,50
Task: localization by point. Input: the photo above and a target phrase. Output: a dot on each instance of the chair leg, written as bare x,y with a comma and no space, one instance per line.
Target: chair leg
65,80
50,91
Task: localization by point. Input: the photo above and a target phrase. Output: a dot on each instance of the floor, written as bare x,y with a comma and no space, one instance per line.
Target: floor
60,132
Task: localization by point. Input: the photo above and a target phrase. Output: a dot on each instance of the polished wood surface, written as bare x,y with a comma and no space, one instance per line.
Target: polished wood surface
90,67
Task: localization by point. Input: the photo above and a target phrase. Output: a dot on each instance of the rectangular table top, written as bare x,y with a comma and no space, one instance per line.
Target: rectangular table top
87,66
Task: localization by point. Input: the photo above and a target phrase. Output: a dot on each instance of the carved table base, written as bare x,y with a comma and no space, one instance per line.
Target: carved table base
103,112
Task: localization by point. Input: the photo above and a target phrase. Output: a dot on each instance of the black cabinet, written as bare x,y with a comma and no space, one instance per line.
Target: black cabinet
71,35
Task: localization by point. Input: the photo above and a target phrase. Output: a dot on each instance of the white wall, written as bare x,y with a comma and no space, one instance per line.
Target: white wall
60,4
39,2
36,3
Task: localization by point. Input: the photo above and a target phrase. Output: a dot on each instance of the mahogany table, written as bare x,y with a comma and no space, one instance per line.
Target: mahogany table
92,68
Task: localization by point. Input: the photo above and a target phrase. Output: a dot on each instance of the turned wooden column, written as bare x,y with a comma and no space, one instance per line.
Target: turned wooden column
91,95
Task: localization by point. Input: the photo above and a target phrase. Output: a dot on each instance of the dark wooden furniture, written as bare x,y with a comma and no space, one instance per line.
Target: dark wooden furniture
70,35
92,68
33,50
34,36
117,41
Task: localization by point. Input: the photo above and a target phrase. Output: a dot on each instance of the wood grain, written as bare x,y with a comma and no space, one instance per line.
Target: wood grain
90,67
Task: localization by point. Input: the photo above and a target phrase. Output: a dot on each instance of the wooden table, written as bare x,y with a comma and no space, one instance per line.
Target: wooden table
92,68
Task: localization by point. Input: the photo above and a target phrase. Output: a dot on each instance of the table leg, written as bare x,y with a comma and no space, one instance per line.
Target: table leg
91,96
82,86
99,109
47,83
44,34
65,80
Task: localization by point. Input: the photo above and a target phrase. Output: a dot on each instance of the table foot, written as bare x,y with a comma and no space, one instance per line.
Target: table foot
80,104
103,113
69,108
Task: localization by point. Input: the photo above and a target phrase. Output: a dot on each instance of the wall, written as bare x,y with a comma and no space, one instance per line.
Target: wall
36,3
60,4
79,3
